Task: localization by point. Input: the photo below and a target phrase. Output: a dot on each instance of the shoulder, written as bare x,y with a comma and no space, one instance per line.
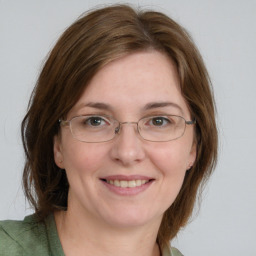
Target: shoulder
167,251
19,237
175,252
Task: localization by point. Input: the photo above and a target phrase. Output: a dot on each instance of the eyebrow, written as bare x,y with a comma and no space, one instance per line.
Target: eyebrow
98,105
148,106
154,105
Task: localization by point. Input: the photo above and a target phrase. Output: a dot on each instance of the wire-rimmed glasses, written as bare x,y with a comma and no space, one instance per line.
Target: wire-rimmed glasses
103,128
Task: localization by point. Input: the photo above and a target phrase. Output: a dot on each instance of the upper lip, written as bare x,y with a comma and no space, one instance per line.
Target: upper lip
126,177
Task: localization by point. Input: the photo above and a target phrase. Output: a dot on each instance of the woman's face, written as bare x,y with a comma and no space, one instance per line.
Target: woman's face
127,89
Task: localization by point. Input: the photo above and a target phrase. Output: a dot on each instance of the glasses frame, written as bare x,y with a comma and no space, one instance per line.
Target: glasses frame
118,129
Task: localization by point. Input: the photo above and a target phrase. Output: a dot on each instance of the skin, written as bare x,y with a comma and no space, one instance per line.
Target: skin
98,221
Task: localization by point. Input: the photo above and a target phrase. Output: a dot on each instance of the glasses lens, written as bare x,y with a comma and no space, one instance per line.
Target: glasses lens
93,128
162,128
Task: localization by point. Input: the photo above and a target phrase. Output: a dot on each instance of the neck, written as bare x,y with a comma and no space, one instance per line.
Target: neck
86,236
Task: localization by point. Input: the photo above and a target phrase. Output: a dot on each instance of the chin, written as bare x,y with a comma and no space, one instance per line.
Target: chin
129,218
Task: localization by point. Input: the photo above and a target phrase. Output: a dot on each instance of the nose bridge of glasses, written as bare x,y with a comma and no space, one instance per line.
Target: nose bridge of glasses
118,129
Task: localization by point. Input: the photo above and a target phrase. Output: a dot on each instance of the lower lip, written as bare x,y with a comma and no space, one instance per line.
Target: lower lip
128,191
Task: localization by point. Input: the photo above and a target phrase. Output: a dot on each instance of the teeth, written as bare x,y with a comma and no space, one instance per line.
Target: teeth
126,183
117,183
123,184
138,182
132,184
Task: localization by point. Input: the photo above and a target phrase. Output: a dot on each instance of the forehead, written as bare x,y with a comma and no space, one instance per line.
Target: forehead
134,81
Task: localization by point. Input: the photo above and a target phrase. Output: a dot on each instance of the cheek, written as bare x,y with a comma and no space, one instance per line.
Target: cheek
169,161
170,158
83,158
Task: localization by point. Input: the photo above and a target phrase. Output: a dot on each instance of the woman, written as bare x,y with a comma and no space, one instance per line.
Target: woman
120,134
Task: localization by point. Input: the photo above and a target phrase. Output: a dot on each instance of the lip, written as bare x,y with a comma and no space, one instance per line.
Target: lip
126,177
127,191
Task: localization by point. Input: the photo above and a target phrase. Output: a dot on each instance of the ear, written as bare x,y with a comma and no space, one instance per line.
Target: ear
57,150
192,155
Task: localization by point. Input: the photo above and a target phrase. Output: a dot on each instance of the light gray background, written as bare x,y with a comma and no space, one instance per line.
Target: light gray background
225,32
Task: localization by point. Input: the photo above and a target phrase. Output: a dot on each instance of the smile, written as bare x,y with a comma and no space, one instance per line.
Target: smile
126,183
130,185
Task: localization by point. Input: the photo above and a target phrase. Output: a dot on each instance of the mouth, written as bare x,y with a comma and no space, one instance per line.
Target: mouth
127,183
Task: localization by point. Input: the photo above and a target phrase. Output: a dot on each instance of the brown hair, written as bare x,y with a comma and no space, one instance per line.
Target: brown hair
94,40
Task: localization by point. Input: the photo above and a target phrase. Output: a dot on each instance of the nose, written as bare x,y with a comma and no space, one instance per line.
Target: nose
127,147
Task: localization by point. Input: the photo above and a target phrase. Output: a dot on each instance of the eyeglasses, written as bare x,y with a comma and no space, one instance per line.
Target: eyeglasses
96,128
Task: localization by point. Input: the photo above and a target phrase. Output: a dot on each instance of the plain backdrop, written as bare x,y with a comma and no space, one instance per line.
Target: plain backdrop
225,32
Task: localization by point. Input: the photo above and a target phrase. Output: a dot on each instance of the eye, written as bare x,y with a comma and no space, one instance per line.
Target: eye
94,121
159,121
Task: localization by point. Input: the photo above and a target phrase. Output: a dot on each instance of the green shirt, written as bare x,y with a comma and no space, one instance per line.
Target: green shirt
29,237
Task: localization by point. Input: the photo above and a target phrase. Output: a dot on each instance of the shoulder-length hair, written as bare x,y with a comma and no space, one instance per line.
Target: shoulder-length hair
95,39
